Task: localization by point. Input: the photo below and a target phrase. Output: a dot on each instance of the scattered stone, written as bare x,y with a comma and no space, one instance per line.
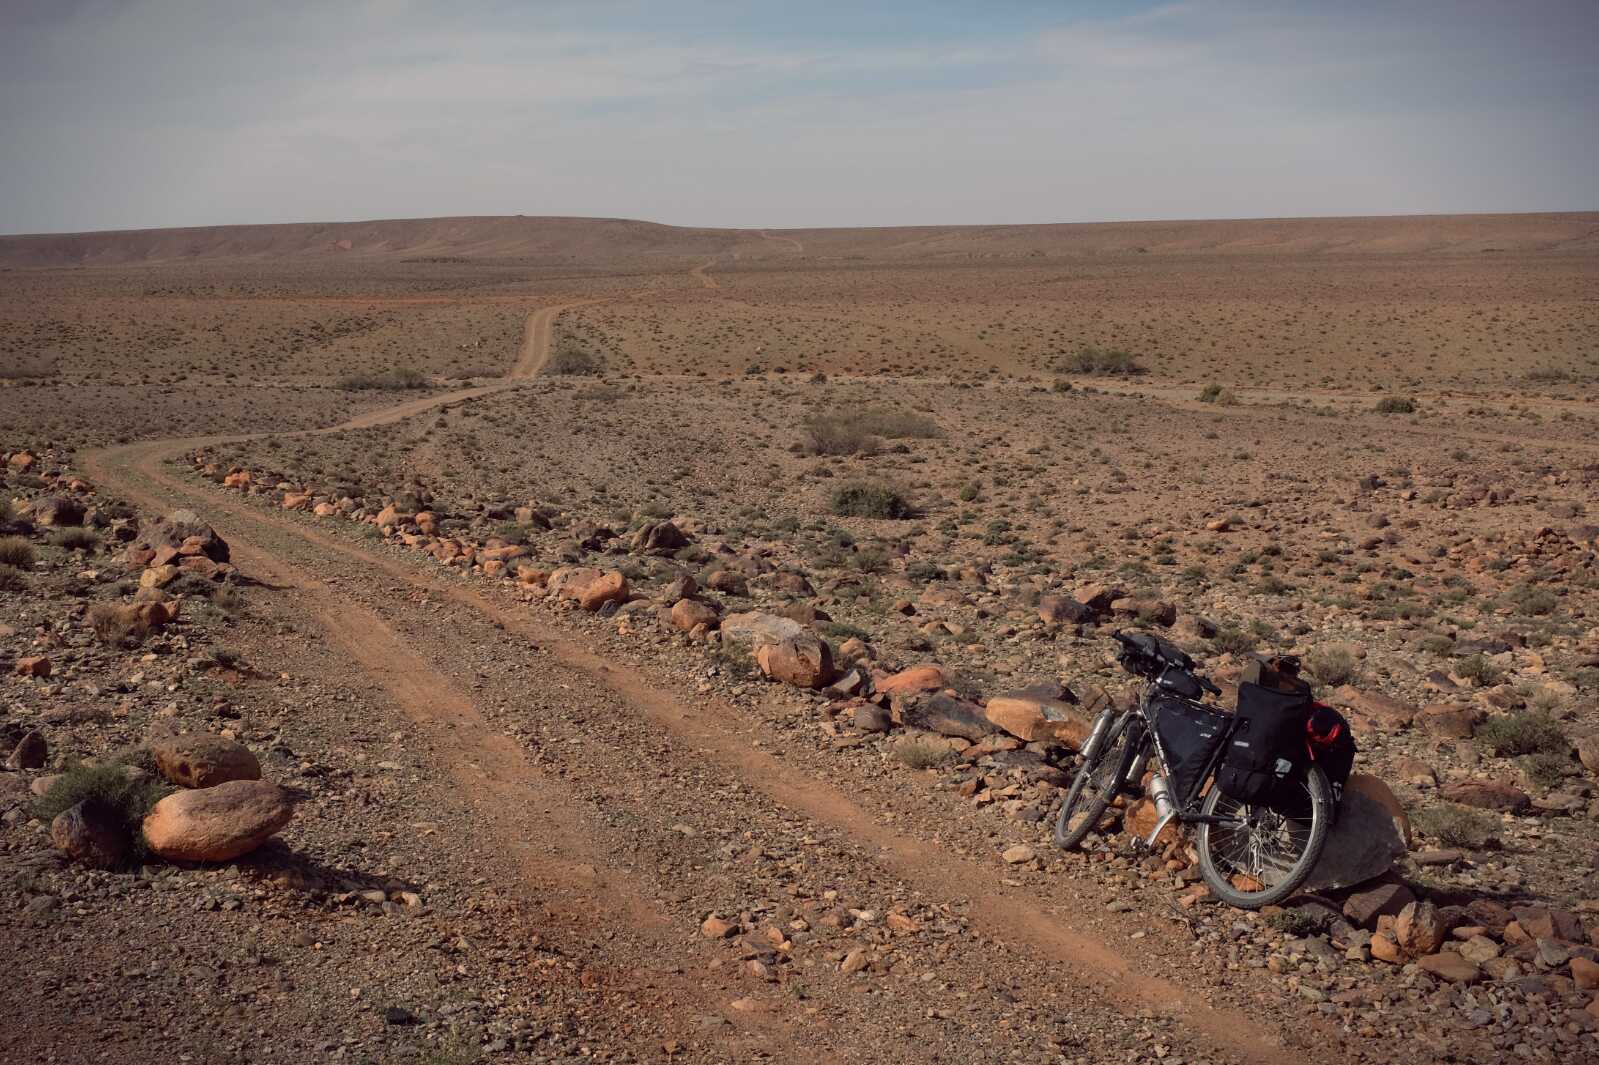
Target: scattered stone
1487,795
91,834
202,759
31,752
804,661
1363,844
928,678
758,627
1451,967
687,614
217,824
1017,854
609,587
32,666
1364,906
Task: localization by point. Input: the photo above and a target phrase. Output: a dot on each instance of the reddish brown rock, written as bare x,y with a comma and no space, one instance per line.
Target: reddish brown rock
1063,610
203,760
1373,708
32,666
1449,720
609,587
803,661
1487,795
1451,967
217,824
925,678
91,834
1420,929
687,613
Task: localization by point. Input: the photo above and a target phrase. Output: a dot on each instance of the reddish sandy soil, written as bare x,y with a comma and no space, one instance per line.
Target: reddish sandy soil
516,818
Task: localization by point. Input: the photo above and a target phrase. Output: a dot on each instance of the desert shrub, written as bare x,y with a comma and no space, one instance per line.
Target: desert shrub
736,661
923,571
397,380
1437,644
1546,768
1525,732
15,551
870,499
1396,405
922,752
1547,375
1481,669
7,511
968,492
1061,385
1454,825
12,579
1332,666
128,798
841,631
1214,393
1531,600
576,362
75,539
1093,360
833,434
1230,639
117,627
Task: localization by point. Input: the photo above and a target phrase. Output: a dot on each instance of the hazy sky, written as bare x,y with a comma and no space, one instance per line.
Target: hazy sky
135,113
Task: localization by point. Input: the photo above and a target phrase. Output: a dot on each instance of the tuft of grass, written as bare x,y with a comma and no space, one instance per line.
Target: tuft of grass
870,499
117,627
1105,361
922,752
1295,923
1396,405
109,786
12,579
1526,732
75,540
1214,393
397,380
1332,666
15,551
1455,825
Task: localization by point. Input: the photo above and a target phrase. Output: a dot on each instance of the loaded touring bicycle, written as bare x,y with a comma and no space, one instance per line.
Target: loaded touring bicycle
1259,785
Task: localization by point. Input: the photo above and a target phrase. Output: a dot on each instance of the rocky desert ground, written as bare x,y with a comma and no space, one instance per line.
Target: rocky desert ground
522,639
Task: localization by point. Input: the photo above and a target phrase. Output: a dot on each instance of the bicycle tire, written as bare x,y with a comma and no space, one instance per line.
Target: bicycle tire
1115,750
1288,881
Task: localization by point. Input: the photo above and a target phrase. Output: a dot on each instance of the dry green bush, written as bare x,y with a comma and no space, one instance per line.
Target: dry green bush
15,551
1456,826
922,752
1526,732
116,626
870,499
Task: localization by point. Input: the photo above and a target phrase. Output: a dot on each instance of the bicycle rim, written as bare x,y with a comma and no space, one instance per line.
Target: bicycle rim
1264,857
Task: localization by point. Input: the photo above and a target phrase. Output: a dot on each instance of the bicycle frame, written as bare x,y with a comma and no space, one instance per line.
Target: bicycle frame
1183,808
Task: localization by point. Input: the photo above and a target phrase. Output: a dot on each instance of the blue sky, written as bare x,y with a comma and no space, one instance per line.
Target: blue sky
131,113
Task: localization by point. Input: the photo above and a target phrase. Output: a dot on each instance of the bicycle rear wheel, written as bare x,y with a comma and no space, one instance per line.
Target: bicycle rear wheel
1096,784
1263,857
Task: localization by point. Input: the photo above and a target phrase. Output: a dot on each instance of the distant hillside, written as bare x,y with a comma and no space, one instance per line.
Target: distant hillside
598,240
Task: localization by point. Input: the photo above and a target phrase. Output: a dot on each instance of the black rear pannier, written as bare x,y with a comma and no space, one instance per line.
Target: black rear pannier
1267,743
1189,735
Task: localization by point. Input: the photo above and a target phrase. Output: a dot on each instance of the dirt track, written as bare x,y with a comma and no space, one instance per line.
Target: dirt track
1037,948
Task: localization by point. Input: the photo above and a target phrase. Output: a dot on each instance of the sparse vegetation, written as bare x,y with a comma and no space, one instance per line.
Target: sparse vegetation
922,752
115,625
870,499
16,552
1522,732
397,380
123,786
575,362
1214,393
1396,405
75,540
1105,362
1332,666
1455,825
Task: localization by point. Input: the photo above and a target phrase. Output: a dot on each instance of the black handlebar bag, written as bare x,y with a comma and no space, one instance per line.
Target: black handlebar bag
1267,744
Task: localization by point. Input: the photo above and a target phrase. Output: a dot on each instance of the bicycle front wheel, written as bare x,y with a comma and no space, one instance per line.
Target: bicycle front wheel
1096,784
1257,856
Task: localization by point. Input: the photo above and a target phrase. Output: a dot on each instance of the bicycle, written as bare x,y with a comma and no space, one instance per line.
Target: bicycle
1251,854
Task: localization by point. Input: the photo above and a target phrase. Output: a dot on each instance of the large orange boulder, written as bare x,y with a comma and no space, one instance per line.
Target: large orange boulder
203,760
217,824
